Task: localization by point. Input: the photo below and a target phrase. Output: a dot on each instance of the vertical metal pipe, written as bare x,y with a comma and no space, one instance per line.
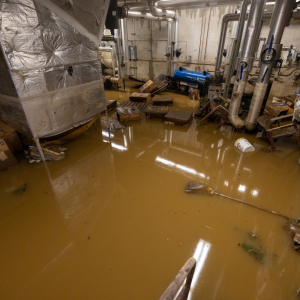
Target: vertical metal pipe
119,53
237,43
169,48
247,57
175,45
127,70
221,46
241,29
282,14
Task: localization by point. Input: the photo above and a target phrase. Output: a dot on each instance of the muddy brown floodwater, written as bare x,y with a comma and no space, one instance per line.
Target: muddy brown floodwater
112,221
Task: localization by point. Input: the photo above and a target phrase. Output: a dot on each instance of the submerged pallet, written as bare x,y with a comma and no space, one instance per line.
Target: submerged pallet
140,105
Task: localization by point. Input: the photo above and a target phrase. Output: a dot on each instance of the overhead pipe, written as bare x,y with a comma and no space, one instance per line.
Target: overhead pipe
246,62
157,12
282,14
144,15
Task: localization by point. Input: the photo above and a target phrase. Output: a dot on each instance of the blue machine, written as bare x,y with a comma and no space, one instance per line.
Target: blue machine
190,78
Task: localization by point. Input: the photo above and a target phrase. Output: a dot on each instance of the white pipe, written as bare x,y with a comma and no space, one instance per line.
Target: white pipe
119,53
146,16
175,45
112,58
125,47
157,12
169,47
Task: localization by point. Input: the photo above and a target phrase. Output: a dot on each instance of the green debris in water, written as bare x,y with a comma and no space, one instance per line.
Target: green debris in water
257,253
21,190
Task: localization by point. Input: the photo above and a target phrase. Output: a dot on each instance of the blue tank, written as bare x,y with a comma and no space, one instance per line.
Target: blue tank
190,78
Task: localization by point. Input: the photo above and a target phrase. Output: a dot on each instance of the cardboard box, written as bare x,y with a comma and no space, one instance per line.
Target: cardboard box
140,97
148,87
7,159
11,138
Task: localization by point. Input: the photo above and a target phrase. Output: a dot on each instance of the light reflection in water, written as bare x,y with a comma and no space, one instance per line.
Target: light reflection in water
178,166
200,255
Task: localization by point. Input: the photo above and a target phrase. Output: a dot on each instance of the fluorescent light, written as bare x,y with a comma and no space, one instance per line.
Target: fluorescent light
270,3
226,183
255,193
202,175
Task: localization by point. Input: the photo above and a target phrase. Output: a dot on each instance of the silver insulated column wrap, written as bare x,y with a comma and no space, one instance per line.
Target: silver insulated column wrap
281,17
51,78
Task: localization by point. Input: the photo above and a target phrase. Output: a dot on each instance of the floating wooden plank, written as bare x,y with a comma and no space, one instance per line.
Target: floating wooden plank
128,114
111,104
140,97
156,112
162,100
184,118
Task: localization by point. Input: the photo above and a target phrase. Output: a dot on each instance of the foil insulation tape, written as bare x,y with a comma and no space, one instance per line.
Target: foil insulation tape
50,74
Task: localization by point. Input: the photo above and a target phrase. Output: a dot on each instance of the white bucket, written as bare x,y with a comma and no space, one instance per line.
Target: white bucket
244,145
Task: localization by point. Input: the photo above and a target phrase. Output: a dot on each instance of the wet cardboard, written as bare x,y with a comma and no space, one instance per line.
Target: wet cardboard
7,159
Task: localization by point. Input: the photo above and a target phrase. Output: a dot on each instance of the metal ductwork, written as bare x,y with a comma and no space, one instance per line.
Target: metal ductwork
247,57
281,17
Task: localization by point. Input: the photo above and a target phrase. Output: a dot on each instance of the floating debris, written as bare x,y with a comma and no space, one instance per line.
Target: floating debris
21,190
257,253
244,145
254,235
298,292
51,152
295,230
195,187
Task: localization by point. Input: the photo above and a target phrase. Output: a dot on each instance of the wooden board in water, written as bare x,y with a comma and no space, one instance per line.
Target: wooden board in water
127,113
178,117
162,100
156,112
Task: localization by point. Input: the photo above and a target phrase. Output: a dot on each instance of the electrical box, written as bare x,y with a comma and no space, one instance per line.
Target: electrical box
132,52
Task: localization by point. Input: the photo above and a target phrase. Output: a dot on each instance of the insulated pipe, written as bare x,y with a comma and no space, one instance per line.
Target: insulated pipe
169,48
247,57
112,58
146,16
119,53
157,12
125,47
175,44
235,50
282,14
226,19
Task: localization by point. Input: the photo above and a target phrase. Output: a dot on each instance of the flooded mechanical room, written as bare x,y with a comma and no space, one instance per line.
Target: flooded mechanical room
113,219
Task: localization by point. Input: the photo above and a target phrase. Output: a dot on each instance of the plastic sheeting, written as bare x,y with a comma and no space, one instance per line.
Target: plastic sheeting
41,53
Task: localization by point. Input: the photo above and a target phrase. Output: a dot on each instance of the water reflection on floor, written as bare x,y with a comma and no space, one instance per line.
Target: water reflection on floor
113,221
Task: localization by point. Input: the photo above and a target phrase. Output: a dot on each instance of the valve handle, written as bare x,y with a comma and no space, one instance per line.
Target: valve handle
242,70
271,44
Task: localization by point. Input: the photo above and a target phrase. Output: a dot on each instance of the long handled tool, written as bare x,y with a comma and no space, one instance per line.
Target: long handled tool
195,187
